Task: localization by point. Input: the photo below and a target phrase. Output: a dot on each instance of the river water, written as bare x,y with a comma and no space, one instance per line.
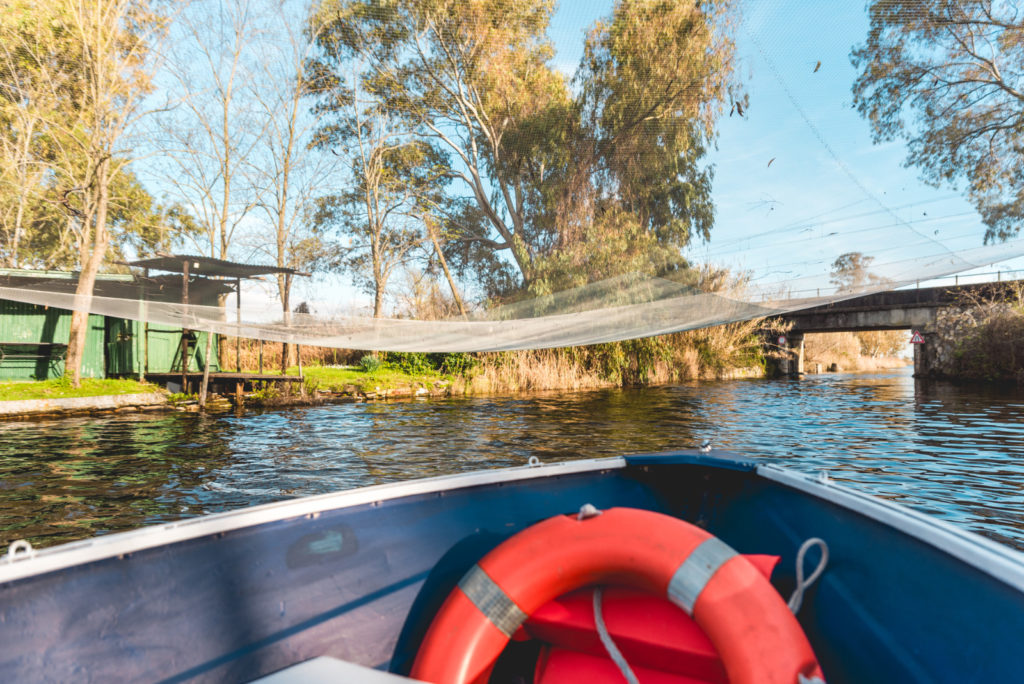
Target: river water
953,452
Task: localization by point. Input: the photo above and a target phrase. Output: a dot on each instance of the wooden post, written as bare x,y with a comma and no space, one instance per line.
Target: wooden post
206,369
287,319
140,344
302,381
261,356
238,321
184,330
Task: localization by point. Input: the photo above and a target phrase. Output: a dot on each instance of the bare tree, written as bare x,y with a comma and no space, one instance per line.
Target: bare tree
288,173
210,136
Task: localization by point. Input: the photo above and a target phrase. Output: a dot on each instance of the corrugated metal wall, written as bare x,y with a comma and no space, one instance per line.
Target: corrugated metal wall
160,352
30,323
113,346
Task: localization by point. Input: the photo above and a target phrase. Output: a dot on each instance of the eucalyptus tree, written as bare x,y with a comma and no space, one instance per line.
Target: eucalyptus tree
947,76
540,159
460,73
631,187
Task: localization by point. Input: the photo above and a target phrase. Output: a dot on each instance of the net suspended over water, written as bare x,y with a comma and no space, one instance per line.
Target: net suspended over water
806,209
621,308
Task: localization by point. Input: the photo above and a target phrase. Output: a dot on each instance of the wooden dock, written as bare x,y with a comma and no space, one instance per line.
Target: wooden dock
220,383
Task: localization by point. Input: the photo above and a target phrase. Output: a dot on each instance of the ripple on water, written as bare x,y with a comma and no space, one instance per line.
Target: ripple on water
949,451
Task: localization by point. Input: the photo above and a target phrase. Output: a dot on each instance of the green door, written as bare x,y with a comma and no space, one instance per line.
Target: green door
120,347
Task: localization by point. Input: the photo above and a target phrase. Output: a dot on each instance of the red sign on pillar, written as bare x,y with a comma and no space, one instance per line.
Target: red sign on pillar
917,338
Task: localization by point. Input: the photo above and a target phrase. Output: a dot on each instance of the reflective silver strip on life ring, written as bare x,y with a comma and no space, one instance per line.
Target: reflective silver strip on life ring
694,573
492,601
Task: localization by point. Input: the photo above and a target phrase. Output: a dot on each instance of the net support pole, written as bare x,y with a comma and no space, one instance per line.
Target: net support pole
141,343
206,369
184,329
238,321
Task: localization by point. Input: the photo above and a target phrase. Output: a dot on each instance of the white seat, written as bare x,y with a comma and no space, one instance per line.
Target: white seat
327,670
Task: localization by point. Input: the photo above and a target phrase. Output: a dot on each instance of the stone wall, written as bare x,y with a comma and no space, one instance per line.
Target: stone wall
982,342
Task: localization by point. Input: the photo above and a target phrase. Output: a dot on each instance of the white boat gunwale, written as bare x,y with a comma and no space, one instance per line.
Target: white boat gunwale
132,541
994,559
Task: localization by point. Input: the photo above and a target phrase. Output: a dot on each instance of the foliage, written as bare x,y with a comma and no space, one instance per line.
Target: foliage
47,167
536,164
988,330
265,392
881,343
342,379
382,214
458,363
75,76
370,363
851,273
945,75
841,349
411,363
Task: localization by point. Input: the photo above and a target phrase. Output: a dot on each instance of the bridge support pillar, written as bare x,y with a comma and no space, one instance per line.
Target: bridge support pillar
793,363
926,361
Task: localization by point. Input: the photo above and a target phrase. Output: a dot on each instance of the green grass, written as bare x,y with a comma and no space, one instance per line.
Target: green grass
336,379
14,390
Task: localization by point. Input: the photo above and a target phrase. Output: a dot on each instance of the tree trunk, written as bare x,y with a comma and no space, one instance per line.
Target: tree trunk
92,258
378,300
444,266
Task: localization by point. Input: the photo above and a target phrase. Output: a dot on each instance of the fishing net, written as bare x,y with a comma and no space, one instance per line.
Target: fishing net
622,308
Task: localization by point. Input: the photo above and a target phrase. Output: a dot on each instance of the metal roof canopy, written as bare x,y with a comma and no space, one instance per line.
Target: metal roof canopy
202,269
208,266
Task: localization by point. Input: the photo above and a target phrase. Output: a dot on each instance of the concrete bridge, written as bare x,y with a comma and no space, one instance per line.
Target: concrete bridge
915,309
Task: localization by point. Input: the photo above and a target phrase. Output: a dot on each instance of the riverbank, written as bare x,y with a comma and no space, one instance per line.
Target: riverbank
27,398
26,390
20,408
731,351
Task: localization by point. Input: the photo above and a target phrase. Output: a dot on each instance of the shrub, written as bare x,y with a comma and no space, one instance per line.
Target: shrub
370,363
458,363
411,363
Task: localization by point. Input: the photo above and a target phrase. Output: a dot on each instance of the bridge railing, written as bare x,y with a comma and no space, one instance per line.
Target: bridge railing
968,279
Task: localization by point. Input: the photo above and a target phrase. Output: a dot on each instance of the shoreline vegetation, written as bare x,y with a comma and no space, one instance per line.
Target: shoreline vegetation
729,351
27,390
856,352
982,339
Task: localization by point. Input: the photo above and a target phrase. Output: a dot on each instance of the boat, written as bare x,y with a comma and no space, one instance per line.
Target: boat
346,586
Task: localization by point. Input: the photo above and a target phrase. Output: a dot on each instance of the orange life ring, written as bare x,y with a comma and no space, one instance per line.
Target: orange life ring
757,637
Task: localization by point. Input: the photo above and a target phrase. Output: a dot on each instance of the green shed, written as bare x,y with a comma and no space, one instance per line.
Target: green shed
33,338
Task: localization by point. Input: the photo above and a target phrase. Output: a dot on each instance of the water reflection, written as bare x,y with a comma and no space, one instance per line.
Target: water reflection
950,451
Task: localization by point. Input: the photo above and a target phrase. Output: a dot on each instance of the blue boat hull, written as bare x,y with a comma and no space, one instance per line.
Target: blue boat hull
359,575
